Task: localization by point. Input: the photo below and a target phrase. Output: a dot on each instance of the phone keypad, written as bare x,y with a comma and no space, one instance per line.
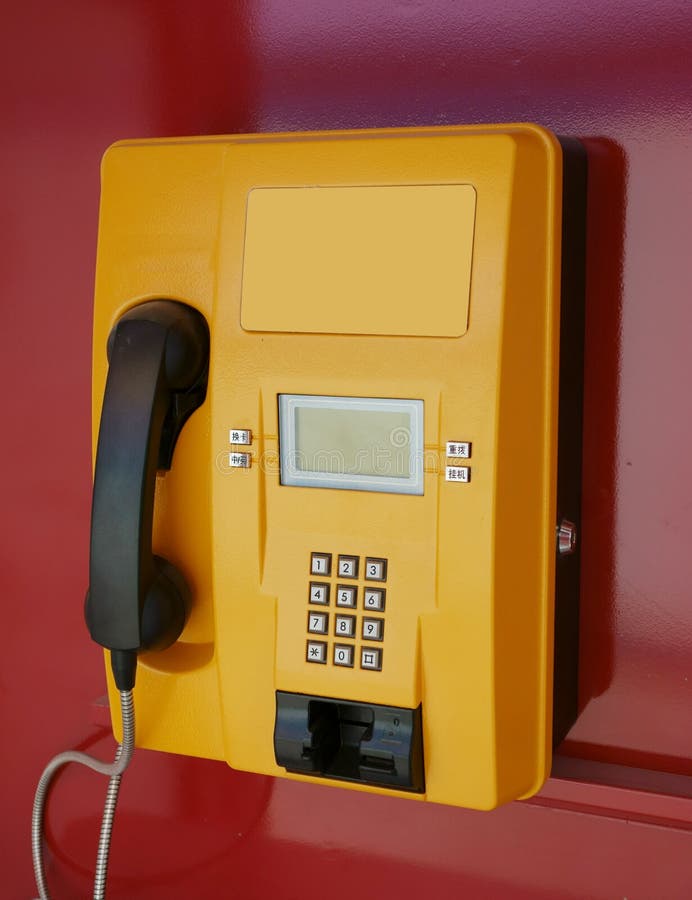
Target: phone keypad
353,632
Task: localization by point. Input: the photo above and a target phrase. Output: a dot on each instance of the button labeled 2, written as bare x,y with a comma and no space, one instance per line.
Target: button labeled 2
348,567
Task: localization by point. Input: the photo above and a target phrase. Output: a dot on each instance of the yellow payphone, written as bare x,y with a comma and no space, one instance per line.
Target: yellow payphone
342,354
365,507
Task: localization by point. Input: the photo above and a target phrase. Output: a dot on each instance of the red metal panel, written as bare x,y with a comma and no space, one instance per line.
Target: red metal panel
78,76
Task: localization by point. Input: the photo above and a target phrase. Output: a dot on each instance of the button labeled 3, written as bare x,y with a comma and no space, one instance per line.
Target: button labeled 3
375,569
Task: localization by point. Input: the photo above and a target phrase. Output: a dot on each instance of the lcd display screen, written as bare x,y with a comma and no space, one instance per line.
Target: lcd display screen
354,443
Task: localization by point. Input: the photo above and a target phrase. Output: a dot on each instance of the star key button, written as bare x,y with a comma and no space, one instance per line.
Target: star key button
316,652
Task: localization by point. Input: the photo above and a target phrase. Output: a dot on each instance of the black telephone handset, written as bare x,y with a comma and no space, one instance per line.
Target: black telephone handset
158,356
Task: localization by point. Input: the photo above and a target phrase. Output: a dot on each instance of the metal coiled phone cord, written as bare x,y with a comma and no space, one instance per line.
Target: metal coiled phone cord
114,770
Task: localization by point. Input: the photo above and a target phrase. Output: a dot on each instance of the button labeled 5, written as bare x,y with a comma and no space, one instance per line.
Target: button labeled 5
346,595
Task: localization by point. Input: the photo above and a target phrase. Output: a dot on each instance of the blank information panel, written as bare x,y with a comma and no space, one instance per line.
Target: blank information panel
389,260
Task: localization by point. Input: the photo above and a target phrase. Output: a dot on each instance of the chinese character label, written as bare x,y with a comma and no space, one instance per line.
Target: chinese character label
240,436
458,473
459,449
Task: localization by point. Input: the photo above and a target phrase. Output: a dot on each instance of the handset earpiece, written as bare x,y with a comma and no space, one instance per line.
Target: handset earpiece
158,356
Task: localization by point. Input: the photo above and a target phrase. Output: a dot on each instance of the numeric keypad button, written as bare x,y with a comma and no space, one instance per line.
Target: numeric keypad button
343,655
345,626
346,595
373,629
347,567
375,569
316,652
318,622
319,593
374,599
371,658
321,564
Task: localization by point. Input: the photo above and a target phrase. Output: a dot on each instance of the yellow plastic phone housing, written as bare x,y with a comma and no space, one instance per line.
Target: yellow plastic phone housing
415,263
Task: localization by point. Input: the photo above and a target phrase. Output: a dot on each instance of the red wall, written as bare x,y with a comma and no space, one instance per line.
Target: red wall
78,75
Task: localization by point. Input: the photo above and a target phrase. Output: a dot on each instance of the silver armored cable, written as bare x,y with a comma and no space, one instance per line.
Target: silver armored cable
114,771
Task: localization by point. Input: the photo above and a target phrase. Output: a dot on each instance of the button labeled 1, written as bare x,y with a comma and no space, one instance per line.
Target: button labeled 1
320,563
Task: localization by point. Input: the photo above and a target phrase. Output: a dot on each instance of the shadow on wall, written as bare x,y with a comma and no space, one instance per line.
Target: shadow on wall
604,264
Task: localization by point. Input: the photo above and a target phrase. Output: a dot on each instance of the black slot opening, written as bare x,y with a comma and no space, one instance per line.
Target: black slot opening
349,741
